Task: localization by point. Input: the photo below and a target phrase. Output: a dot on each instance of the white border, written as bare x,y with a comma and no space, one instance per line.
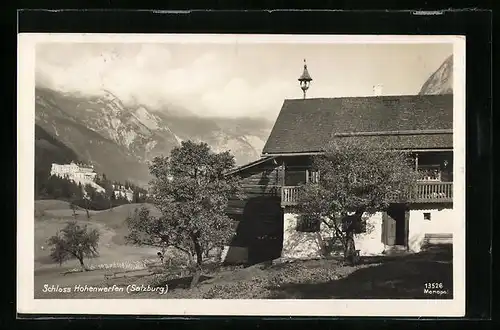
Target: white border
25,192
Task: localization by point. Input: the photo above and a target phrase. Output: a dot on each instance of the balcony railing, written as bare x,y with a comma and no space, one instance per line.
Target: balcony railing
433,192
425,192
289,195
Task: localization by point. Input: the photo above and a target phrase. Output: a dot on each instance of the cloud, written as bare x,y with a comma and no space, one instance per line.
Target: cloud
231,80
238,97
146,74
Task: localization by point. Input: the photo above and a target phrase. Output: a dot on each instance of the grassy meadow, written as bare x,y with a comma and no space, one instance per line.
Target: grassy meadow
120,265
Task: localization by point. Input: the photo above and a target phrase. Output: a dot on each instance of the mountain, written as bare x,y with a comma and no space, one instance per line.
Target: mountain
441,81
120,139
49,150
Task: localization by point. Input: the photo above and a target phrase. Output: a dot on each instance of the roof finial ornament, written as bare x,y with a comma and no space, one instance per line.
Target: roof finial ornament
305,79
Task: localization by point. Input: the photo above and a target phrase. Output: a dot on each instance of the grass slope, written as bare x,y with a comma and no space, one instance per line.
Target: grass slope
52,215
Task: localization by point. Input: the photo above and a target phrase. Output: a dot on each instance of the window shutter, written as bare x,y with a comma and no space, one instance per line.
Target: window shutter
312,176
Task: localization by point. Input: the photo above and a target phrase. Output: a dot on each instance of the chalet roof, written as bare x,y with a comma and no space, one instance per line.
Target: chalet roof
406,122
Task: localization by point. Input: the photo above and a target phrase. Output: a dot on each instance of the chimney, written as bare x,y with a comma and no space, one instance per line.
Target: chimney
377,90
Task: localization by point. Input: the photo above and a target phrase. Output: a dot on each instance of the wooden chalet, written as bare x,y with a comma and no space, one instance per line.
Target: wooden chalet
422,125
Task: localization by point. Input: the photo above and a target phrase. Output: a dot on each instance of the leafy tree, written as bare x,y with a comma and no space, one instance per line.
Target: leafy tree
100,201
73,208
74,241
57,188
112,200
106,184
191,192
106,199
65,185
91,191
53,187
58,254
121,199
136,197
80,190
355,179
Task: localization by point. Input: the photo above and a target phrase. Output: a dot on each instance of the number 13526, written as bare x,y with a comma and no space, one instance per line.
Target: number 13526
433,285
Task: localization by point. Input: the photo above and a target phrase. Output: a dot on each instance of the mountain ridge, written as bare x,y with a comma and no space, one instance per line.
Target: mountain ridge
441,80
132,136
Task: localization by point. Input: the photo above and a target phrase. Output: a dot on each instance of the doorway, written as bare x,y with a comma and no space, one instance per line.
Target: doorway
264,217
395,225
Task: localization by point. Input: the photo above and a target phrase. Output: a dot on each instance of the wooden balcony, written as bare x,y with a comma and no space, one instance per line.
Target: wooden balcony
425,192
433,192
289,195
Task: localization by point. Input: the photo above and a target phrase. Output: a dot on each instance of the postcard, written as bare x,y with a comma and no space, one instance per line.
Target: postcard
268,175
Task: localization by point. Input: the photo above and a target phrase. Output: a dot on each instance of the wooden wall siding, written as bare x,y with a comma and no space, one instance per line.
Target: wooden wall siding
301,161
242,232
240,237
261,180
260,216
261,189
237,206
264,177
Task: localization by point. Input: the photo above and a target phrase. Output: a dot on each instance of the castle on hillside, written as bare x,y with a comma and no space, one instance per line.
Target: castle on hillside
77,172
74,171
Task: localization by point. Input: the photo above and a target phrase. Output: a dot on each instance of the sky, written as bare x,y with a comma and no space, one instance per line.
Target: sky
233,80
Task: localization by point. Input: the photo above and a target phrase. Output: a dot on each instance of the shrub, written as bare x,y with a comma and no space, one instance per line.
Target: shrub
158,280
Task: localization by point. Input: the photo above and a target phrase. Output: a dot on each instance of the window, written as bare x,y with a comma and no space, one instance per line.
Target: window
312,176
294,177
308,224
427,216
358,224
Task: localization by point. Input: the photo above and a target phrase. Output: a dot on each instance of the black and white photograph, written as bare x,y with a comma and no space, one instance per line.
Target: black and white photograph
241,174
